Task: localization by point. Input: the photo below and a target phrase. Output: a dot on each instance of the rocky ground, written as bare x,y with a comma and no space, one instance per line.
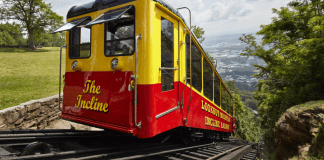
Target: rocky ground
299,133
37,114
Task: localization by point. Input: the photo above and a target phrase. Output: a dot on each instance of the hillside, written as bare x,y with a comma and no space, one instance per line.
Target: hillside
299,133
231,65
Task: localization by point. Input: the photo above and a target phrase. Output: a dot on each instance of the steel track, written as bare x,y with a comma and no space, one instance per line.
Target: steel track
82,145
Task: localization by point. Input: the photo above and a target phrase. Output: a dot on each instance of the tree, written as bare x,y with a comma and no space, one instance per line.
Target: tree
34,15
199,32
246,122
292,47
10,35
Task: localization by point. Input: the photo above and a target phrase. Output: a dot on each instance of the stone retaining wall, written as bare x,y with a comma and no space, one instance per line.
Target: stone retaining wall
35,114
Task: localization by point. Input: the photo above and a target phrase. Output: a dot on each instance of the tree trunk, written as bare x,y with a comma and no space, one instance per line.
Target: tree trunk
31,39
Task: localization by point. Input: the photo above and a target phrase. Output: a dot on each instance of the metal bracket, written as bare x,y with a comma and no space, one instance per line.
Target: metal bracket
166,68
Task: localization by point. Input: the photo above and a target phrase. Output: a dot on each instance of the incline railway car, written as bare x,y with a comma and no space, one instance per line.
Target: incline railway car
133,66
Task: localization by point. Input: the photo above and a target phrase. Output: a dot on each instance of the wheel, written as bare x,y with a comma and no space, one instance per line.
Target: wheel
186,139
36,148
221,136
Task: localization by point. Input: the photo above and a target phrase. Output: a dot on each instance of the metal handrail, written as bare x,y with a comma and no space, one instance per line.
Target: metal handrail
190,64
135,77
60,77
166,68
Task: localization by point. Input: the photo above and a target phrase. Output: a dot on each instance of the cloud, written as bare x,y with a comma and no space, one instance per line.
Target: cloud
225,10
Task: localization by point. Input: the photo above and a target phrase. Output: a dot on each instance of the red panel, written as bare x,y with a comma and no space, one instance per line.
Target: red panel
151,102
109,88
98,124
197,115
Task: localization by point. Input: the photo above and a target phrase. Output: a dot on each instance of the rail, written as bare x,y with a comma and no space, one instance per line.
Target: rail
69,144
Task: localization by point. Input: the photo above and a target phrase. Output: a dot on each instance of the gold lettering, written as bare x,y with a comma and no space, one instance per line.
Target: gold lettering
95,108
105,109
93,87
88,105
92,101
79,100
98,90
83,104
86,85
203,107
99,108
211,122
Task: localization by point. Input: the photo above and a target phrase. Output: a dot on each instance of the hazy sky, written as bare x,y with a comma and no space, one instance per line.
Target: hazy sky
217,17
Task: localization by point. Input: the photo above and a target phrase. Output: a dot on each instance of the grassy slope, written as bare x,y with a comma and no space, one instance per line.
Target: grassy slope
27,74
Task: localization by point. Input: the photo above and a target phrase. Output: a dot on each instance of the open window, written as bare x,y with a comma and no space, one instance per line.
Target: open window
80,41
69,25
79,37
120,32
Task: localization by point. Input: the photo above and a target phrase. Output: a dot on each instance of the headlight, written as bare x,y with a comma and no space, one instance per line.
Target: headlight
114,63
74,65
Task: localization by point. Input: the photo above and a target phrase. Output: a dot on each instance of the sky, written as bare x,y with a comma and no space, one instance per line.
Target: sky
216,17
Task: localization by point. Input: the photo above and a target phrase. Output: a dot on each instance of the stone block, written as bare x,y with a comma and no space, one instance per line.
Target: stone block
22,111
29,124
12,117
37,112
3,119
33,107
19,121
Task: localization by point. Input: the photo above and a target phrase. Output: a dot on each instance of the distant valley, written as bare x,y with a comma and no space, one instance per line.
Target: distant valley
231,65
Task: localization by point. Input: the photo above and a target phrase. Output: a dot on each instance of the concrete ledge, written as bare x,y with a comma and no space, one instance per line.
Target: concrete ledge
22,105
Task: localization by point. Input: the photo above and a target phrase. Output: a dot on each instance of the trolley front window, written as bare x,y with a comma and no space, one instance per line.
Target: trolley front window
120,35
80,41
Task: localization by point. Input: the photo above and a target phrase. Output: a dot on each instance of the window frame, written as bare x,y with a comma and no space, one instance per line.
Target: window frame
111,41
203,78
173,50
70,41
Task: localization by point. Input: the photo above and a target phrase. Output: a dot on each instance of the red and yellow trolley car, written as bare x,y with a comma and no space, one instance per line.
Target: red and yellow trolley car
130,68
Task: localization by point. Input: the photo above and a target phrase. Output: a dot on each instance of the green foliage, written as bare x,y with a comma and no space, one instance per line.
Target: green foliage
199,32
247,122
10,35
294,57
50,40
35,16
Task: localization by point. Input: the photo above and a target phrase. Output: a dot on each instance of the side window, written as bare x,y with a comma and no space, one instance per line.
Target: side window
196,67
216,90
188,57
231,106
80,41
228,101
223,96
166,54
208,80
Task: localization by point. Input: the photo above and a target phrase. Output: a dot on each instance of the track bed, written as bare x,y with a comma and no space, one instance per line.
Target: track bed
71,144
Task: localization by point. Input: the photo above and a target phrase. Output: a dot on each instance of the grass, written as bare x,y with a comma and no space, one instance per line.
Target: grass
28,74
308,105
